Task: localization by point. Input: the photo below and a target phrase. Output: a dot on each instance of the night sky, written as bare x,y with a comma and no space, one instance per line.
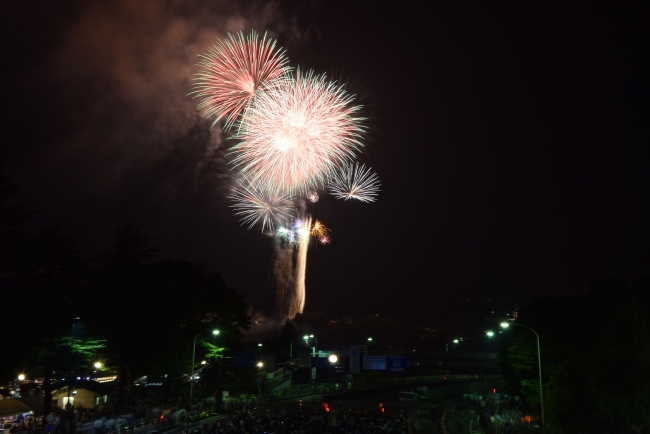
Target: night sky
505,136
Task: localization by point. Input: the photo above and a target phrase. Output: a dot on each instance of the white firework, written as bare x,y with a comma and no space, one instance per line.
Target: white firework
313,196
296,133
355,182
255,205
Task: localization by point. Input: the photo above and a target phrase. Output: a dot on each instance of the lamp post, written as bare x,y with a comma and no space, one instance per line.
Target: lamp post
74,322
306,339
505,325
214,332
313,353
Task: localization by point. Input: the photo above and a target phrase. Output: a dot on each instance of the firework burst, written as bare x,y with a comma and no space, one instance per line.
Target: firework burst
313,196
355,182
320,231
296,134
233,71
253,205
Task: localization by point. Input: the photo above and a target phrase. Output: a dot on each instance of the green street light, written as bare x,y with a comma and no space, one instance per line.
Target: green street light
306,337
505,325
490,334
455,341
369,339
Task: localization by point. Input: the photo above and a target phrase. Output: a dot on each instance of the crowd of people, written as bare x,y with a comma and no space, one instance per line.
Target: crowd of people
282,422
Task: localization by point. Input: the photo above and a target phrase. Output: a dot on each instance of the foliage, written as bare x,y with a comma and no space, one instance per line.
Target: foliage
619,381
158,305
212,351
84,347
595,352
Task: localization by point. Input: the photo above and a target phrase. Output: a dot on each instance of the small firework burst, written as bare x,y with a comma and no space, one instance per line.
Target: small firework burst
325,240
319,230
254,205
313,197
355,182
294,232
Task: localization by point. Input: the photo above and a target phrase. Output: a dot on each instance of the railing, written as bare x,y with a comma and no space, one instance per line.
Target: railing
329,388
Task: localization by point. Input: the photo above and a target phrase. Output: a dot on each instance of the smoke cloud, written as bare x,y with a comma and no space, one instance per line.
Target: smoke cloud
123,132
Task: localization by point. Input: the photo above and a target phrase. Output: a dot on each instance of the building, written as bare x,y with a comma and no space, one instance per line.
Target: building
87,394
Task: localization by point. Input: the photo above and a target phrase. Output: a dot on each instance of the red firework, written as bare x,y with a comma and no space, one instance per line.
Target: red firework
233,70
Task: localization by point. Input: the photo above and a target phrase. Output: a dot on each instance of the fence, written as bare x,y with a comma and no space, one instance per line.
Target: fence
306,391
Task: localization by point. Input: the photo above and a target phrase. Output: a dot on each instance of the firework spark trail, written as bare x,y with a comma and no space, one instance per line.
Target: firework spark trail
290,265
298,304
233,71
355,182
283,277
253,205
296,134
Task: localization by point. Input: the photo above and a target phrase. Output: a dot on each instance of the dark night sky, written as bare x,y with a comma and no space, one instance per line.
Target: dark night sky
505,137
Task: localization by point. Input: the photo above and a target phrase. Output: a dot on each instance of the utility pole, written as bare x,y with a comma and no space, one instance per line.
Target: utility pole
74,322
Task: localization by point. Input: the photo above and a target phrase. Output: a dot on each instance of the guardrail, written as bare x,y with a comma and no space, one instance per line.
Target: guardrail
329,388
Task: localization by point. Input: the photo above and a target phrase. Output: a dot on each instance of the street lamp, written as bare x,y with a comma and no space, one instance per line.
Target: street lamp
214,332
505,325
74,322
490,334
306,339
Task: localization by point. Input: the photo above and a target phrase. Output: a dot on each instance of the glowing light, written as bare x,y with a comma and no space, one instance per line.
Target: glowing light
320,231
313,197
333,358
98,365
296,133
254,205
234,71
21,377
354,182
